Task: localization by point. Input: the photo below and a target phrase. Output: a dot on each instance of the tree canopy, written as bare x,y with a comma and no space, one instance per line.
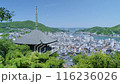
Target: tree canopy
20,56
5,15
97,60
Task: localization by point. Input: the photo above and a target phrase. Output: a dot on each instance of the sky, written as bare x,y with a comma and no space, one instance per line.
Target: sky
66,13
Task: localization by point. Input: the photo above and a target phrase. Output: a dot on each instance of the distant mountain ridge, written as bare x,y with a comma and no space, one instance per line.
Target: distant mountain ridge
28,24
102,30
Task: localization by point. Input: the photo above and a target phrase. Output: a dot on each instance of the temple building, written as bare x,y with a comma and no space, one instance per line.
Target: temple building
37,40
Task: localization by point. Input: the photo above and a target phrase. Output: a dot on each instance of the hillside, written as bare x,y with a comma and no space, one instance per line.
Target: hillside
27,24
102,30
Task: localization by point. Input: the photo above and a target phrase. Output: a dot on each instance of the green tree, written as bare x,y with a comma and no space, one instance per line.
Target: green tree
4,46
54,63
45,61
97,60
20,56
5,14
1,59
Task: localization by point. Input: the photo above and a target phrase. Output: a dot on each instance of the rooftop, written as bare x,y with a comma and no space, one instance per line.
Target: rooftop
35,37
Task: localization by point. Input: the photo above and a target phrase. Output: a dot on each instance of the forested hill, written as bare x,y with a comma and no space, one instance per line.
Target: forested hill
102,30
27,24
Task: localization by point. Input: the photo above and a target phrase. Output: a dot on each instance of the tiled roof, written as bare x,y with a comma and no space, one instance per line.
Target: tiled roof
35,37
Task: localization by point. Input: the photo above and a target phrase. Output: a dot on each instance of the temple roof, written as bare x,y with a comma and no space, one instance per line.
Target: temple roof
35,37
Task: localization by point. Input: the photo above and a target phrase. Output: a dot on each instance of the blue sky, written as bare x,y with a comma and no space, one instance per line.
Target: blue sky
66,13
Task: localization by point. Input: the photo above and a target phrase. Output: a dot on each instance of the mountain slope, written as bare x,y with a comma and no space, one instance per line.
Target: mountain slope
28,24
102,30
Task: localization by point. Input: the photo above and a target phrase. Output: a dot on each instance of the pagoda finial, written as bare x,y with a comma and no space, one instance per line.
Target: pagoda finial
36,19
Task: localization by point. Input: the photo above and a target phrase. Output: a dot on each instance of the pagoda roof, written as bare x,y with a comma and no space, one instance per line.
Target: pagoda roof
35,37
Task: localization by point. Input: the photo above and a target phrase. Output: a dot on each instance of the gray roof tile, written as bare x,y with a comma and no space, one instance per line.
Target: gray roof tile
35,37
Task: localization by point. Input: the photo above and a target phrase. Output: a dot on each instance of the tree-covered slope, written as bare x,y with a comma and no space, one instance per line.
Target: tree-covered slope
20,56
102,30
28,24
116,29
